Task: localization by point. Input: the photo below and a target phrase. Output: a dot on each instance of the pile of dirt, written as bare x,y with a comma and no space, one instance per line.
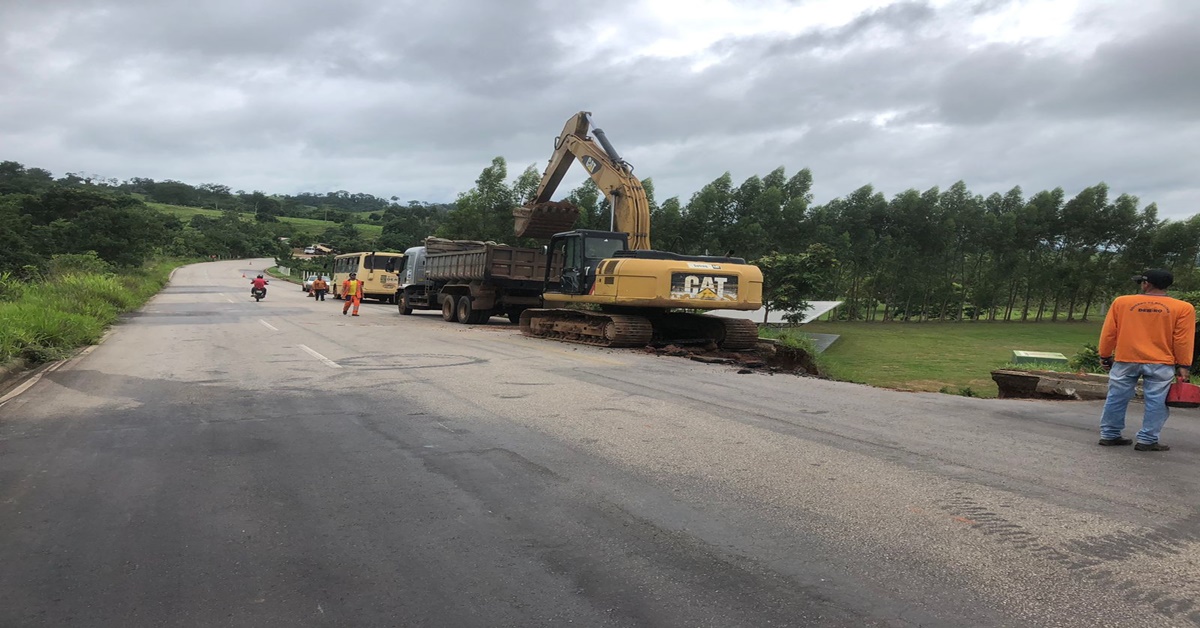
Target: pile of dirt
766,357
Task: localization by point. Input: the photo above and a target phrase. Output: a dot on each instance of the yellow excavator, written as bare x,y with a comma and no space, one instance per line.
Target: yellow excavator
637,295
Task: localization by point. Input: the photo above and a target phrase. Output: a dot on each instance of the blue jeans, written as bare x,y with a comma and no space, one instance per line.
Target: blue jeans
1156,380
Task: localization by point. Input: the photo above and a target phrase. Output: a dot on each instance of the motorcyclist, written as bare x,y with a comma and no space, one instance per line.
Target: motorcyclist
258,283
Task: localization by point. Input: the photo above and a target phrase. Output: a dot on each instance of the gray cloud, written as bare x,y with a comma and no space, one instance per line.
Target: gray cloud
414,98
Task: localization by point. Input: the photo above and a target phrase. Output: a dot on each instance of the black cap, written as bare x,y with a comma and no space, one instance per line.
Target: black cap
1158,277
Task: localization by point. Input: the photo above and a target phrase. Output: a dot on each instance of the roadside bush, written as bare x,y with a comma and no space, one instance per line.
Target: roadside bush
76,263
48,318
29,330
10,287
1087,360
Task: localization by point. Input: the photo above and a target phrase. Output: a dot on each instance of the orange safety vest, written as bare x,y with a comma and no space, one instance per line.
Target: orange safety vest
352,288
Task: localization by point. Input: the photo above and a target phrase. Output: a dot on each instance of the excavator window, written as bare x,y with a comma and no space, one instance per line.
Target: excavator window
572,272
571,254
602,248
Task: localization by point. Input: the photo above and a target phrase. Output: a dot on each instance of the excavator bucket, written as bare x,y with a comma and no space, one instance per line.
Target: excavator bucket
544,219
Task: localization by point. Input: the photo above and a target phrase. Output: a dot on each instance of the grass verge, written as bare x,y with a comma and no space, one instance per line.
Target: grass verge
45,320
933,356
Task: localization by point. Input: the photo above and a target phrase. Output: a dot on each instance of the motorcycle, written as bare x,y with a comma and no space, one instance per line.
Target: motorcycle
258,293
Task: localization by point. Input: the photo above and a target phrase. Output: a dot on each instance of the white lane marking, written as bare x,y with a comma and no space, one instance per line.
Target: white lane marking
268,325
227,298
330,363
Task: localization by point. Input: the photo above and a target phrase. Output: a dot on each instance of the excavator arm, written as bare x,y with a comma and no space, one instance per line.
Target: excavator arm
542,218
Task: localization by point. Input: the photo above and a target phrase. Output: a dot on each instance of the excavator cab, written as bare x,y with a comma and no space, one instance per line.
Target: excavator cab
582,251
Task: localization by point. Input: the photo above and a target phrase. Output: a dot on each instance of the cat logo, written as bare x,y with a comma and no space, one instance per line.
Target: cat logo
703,287
590,164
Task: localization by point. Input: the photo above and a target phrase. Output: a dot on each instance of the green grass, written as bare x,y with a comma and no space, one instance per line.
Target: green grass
937,356
308,225
46,320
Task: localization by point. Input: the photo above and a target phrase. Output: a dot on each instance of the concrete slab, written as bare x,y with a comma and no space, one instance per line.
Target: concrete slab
815,310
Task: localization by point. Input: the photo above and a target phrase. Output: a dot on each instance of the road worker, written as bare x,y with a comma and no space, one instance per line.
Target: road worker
1148,336
352,293
319,288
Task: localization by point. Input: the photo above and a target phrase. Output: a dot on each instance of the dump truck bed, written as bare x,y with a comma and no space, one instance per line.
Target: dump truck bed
489,263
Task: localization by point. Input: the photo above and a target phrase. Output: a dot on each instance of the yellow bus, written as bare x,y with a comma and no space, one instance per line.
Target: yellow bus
379,272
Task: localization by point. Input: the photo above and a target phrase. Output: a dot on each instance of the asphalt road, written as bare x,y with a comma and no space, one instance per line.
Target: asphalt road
221,462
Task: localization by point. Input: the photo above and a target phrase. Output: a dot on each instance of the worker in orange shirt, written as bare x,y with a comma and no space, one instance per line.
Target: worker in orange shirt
1148,335
352,293
319,288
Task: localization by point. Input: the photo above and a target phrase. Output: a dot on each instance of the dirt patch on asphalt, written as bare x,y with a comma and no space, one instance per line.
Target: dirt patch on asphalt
765,357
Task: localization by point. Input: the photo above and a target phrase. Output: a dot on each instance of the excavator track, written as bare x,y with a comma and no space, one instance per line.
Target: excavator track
626,330
730,334
589,328
739,334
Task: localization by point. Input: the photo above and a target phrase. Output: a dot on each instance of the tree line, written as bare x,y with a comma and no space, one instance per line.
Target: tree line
920,255
338,206
936,254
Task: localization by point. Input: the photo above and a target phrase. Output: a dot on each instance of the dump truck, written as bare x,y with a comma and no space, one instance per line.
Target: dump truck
471,281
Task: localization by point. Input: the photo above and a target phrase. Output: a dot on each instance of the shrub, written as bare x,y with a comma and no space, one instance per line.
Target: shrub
10,287
76,263
1087,360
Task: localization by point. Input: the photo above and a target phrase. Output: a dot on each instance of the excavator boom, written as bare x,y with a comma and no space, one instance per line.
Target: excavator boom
542,218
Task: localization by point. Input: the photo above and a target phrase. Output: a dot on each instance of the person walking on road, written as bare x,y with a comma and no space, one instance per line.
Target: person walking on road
1148,335
352,292
319,288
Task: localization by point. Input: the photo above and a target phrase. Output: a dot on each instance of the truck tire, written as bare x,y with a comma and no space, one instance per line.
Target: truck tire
449,313
466,315
403,307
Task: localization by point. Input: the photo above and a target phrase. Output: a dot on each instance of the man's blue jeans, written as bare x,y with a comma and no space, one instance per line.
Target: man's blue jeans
1156,380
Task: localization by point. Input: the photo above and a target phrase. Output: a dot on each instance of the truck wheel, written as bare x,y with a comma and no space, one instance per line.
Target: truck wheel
404,309
466,315
449,314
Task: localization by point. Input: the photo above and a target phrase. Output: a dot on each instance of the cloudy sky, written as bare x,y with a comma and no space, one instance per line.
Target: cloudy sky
414,98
